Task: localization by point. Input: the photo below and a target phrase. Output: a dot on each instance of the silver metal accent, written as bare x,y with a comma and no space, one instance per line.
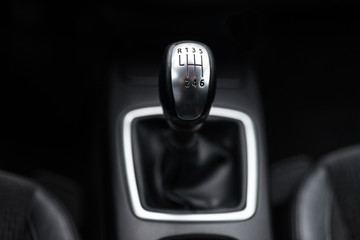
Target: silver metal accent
252,171
190,76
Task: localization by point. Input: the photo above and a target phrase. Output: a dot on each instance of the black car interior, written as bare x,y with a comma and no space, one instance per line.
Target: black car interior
181,120
28,211
326,205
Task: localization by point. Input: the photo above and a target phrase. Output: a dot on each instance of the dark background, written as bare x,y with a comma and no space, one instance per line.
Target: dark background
53,88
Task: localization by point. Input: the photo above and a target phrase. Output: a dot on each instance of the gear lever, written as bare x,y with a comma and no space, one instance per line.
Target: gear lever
187,85
192,167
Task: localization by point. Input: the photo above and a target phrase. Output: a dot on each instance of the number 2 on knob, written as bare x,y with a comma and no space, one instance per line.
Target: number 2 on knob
187,83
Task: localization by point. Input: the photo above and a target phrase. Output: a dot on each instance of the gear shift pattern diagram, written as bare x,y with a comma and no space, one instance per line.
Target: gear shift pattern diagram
190,76
187,84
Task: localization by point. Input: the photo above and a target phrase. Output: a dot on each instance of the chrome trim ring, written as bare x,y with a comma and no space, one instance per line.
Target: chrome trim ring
252,171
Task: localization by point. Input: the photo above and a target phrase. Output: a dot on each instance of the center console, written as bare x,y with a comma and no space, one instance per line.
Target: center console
187,149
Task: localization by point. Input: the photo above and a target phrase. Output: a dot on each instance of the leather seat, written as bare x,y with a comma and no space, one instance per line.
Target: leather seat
327,205
29,212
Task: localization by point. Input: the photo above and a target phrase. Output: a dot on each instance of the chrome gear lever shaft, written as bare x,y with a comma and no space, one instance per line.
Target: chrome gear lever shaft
187,85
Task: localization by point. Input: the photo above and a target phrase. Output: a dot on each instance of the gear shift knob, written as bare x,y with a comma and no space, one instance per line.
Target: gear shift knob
187,85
